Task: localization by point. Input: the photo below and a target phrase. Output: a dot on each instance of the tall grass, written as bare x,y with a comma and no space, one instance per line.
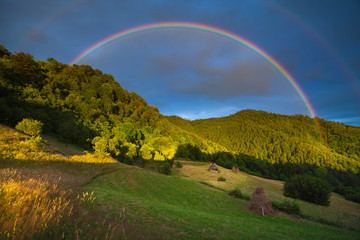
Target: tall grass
35,209
36,204
30,207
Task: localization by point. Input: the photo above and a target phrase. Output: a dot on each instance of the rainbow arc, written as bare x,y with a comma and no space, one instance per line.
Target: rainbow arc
219,32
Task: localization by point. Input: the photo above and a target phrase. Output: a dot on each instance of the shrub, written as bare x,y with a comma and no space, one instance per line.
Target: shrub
30,127
221,179
34,142
164,167
178,164
352,194
287,206
238,194
308,188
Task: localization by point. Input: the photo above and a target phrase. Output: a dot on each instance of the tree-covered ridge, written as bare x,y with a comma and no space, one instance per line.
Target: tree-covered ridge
282,139
85,106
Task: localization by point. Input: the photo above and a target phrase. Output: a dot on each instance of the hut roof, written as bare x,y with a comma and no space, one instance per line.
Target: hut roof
213,167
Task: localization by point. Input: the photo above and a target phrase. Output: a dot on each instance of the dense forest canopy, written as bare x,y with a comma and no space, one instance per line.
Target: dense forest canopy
87,107
84,106
279,138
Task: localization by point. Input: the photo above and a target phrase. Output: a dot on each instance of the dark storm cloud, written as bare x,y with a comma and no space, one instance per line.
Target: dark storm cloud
161,64
250,77
316,73
36,35
239,79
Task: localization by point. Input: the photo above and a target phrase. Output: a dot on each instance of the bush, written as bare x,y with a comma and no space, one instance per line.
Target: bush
33,142
178,164
221,179
352,194
30,127
236,193
164,167
308,188
287,206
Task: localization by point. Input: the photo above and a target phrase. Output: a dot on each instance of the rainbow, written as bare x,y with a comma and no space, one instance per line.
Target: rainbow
204,28
222,33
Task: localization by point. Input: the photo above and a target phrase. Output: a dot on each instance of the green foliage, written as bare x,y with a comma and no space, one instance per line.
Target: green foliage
189,152
291,207
82,105
281,139
308,188
178,164
351,193
164,167
4,51
321,172
236,193
100,146
33,142
221,179
30,127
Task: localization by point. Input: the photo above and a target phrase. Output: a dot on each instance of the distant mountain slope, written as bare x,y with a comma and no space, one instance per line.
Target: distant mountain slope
280,138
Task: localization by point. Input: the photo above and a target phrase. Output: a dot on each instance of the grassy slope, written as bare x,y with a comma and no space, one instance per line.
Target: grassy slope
135,203
342,212
42,177
182,208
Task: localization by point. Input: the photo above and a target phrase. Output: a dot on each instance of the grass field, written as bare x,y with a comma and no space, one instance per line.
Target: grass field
340,212
184,209
41,195
46,194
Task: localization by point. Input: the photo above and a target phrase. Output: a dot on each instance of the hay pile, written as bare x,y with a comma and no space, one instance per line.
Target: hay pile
260,203
235,170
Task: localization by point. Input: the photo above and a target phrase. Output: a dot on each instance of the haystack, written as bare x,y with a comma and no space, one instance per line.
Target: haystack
235,170
260,203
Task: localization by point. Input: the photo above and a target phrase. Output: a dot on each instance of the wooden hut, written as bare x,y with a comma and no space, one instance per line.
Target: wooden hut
214,168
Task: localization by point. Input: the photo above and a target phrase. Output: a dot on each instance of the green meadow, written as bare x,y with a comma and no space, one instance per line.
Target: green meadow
181,207
48,193
340,212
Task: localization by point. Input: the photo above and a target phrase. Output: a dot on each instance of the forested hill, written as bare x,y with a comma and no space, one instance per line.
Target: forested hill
281,138
82,105
87,107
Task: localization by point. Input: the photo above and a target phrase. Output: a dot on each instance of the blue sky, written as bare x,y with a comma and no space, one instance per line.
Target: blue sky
195,74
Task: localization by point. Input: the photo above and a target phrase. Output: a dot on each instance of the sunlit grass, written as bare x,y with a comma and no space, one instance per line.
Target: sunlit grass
40,196
14,146
34,207
340,212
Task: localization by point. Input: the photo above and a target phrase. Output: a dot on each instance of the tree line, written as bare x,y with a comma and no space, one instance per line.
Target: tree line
82,105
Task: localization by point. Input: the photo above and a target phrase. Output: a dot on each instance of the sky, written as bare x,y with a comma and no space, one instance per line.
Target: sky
197,74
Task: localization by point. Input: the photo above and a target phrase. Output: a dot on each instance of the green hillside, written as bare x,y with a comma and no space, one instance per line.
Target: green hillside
89,108
81,105
46,195
183,209
342,212
279,138
279,146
